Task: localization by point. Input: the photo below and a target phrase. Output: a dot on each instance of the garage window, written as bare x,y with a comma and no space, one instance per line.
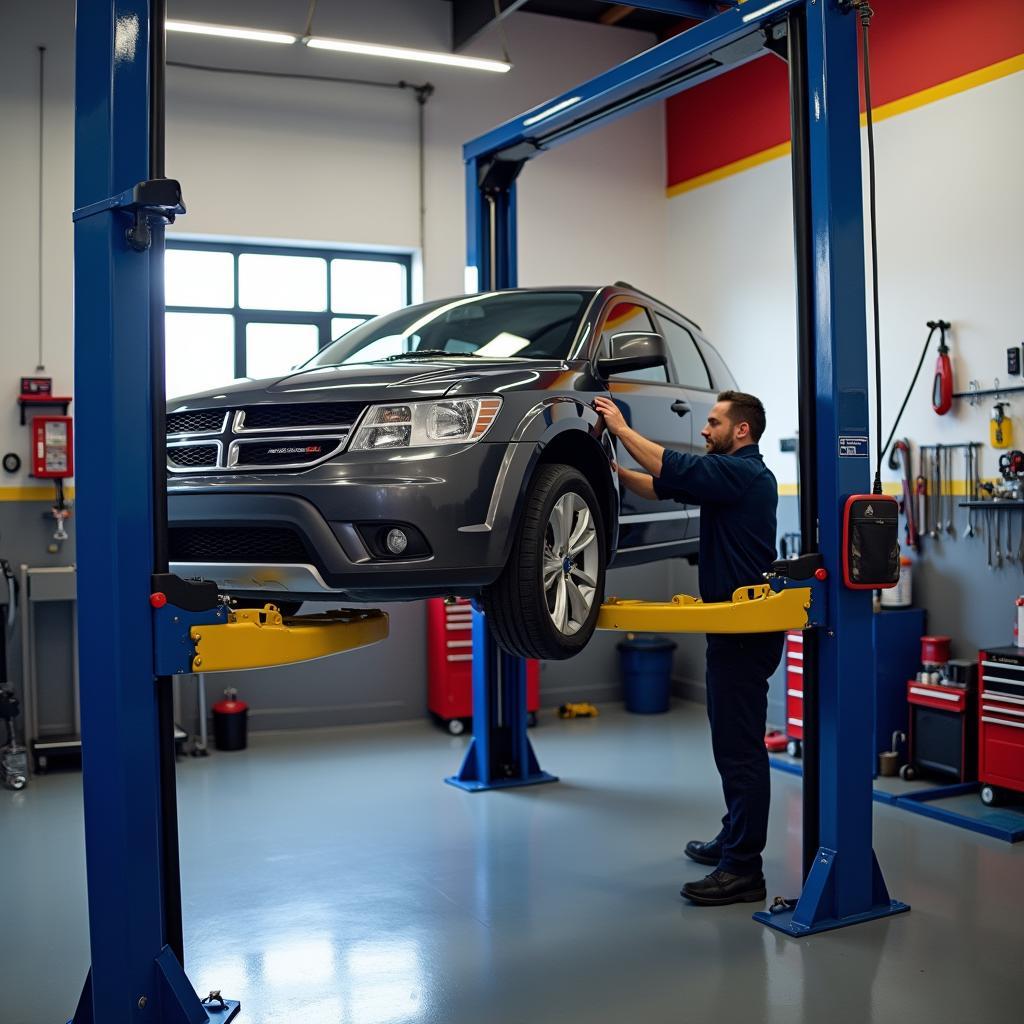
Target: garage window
237,310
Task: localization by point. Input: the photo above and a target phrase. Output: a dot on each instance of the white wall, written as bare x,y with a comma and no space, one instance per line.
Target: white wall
297,160
950,214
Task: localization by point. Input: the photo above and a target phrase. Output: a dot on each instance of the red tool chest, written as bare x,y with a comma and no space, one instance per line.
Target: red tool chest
450,665
794,690
1001,721
942,736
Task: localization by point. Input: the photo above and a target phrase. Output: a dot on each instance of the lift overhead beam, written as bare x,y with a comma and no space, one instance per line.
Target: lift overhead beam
702,52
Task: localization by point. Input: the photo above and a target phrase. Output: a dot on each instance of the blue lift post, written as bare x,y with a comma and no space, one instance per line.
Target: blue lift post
843,883
500,755
135,929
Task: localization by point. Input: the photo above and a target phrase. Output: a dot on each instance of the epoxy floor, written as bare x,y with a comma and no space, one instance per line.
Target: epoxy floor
331,876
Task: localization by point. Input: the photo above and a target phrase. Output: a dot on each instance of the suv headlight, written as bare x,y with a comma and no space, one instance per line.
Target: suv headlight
418,424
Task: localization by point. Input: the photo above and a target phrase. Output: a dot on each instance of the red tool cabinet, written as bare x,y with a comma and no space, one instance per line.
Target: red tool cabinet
1001,721
450,665
794,691
942,734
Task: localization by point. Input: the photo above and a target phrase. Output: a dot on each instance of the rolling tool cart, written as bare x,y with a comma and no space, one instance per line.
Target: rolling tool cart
450,666
943,740
1001,722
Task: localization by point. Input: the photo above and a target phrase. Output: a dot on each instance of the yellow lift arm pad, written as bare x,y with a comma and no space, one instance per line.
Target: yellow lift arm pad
756,609
262,637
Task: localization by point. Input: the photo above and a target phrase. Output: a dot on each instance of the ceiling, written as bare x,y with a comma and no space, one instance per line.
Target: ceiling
469,17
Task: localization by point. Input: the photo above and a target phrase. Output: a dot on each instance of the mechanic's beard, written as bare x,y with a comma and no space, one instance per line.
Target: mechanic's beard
718,447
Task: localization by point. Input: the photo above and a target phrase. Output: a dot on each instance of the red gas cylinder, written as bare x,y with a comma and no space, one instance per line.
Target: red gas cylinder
230,722
934,650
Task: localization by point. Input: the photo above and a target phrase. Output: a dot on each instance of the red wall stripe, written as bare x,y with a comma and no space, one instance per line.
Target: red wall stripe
915,44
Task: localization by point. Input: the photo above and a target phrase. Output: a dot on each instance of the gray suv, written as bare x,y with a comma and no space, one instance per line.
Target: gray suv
449,448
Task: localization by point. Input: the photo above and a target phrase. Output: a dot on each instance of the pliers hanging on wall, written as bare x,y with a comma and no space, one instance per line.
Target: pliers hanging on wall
900,453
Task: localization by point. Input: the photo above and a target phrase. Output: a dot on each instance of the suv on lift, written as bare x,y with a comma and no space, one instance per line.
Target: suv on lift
448,448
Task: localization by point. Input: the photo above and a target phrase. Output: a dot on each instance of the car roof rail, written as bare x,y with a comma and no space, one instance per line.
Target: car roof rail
640,291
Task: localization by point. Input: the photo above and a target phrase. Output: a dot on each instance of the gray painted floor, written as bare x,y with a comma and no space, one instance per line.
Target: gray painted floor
331,876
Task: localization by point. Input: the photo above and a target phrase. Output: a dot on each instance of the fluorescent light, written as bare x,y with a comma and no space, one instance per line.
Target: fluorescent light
551,111
404,53
201,28
761,11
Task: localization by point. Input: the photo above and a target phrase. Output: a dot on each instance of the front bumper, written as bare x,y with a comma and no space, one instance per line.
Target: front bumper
460,499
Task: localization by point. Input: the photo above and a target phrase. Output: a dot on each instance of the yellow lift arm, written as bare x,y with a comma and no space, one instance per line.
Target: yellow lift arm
756,609
262,637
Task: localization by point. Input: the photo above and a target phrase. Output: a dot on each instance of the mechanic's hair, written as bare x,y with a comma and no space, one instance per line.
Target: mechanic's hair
744,408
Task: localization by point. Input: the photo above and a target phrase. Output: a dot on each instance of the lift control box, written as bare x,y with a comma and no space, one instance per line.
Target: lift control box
52,447
871,543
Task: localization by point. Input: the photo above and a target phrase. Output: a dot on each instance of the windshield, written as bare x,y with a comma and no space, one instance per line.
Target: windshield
496,325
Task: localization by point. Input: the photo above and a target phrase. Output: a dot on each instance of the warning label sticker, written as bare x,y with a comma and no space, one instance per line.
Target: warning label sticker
853,447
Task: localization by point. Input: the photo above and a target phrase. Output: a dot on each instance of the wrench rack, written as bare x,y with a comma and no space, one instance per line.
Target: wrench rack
941,465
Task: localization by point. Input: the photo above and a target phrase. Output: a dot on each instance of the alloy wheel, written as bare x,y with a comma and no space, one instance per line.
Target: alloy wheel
571,563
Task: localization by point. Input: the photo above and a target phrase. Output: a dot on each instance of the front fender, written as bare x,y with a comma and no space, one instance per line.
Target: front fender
552,421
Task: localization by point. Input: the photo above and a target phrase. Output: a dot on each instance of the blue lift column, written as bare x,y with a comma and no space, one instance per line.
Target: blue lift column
500,755
844,884
136,972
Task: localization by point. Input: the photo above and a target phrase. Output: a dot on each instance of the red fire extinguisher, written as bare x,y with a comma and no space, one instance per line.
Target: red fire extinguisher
942,386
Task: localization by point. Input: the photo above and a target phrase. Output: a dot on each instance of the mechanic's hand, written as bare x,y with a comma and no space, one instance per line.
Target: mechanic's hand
609,412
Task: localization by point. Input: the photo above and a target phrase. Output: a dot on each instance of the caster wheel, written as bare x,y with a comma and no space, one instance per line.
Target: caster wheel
42,763
793,748
531,719
989,796
907,773
456,726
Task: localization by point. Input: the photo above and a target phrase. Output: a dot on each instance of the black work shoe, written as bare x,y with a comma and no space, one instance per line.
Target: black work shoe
720,888
704,853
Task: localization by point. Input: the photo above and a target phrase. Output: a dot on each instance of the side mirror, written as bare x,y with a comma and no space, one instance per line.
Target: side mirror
633,350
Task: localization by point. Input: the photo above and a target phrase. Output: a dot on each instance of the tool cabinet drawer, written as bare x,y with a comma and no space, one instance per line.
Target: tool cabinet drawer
1001,740
942,698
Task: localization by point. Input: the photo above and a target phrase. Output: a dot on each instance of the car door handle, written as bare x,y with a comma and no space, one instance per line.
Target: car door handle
680,408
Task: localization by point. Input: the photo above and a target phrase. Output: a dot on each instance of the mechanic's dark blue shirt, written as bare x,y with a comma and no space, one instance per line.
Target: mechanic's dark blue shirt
738,499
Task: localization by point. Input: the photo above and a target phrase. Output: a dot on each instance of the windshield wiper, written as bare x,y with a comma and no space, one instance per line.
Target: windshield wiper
426,352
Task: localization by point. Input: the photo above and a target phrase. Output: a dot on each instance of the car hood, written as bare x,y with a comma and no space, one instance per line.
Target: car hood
385,382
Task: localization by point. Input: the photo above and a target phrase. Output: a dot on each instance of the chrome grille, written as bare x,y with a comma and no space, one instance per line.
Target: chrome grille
197,421
259,437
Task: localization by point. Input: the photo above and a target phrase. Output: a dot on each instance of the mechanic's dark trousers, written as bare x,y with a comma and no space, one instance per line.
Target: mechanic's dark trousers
738,669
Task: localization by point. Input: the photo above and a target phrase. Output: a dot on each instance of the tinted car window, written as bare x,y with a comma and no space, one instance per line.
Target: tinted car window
527,325
689,366
625,316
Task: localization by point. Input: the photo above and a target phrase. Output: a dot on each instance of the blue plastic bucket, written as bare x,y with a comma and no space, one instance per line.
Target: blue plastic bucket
646,664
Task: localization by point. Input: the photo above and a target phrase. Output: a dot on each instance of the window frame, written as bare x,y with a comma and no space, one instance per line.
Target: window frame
243,317
658,317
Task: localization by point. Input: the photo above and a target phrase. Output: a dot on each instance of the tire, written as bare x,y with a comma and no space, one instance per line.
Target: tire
456,726
989,796
793,748
908,773
520,612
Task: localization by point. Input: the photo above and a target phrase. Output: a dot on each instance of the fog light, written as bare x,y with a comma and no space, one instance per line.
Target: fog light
396,541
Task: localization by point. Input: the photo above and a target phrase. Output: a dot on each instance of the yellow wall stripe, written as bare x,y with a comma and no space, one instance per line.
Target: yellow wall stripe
32,493
917,99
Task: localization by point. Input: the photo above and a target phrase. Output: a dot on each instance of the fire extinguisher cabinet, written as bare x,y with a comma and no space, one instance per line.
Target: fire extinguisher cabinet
450,666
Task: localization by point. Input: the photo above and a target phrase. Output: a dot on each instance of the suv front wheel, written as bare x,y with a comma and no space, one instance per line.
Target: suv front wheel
545,603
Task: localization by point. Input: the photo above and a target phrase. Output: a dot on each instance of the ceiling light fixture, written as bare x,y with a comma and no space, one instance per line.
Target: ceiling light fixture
404,53
230,32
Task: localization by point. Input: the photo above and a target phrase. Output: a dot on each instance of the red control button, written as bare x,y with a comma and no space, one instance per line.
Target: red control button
158,600
821,574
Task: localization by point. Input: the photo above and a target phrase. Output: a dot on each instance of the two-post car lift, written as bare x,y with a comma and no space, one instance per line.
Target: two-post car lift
818,39
163,626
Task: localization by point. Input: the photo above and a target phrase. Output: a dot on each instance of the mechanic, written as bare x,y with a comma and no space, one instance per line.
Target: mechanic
738,496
